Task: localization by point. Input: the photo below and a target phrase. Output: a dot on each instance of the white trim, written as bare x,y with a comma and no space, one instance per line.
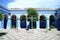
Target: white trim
34,8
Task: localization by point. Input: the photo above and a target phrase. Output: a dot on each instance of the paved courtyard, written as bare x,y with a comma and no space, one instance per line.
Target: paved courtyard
32,34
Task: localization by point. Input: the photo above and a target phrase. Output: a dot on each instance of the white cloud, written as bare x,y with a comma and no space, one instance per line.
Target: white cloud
33,3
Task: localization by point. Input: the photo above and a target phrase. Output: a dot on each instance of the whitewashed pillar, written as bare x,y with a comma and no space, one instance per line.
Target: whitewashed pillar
18,23
9,22
27,23
38,23
2,24
47,22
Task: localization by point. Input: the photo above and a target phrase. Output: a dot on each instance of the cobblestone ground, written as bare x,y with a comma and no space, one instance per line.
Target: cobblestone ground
32,34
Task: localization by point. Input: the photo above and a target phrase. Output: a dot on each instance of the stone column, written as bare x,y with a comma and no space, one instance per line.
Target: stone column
27,24
38,23
18,23
2,24
9,22
47,22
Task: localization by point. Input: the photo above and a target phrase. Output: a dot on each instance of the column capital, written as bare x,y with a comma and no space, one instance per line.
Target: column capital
47,17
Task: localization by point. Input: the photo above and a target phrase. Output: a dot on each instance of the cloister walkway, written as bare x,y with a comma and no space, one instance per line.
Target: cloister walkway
32,34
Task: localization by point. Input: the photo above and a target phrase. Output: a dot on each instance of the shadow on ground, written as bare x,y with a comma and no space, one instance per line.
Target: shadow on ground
3,33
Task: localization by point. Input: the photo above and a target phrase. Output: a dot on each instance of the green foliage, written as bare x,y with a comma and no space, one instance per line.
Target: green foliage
32,16
52,27
32,12
13,26
1,16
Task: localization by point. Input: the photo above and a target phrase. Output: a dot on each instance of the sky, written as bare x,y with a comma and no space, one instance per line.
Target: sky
30,3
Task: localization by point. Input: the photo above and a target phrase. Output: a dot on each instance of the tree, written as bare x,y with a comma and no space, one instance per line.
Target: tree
32,13
1,16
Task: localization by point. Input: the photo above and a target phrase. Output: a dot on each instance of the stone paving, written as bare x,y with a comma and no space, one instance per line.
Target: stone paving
32,34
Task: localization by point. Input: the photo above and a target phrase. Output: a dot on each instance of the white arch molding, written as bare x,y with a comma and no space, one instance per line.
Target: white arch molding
18,21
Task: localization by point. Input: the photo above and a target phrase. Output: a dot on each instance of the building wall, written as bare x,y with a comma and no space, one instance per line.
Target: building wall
18,13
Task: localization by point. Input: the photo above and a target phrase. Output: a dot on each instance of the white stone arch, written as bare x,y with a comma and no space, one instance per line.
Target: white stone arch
51,21
12,20
47,18
23,20
43,20
51,15
42,15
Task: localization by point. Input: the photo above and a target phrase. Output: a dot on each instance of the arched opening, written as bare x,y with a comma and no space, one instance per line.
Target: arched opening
52,20
13,21
42,21
5,20
23,21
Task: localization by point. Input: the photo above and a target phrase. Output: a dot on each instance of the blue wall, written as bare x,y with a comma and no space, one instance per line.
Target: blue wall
57,21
